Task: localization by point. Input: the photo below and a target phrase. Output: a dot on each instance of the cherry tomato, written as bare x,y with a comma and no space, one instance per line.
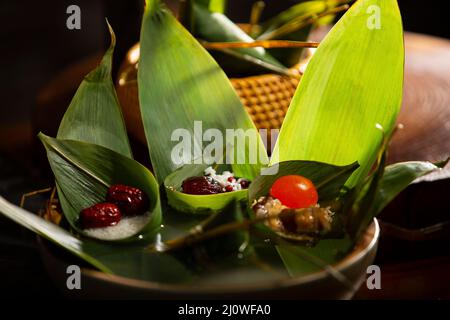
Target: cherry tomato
295,191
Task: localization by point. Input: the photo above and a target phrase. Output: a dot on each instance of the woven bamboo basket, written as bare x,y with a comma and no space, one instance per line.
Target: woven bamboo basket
265,97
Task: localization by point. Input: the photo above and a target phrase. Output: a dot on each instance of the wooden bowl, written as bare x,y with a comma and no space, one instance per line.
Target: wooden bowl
319,285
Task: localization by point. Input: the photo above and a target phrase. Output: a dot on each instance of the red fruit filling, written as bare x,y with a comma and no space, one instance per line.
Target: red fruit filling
201,186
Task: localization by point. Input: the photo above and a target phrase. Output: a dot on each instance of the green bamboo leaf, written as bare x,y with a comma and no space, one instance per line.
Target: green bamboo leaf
398,176
198,204
127,260
303,259
288,19
203,236
328,179
213,5
352,85
395,179
216,27
179,83
94,114
322,256
296,11
85,171
362,197
227,258
177,224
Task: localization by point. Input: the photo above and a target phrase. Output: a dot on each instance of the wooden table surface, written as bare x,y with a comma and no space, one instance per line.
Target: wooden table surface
426,101
420,273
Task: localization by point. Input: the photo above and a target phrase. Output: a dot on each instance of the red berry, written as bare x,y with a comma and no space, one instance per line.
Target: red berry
201,186
228,188
100,215
295,191
131,201
244,183
230,179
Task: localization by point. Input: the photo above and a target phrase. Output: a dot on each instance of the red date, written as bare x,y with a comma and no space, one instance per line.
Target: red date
100,215
131,201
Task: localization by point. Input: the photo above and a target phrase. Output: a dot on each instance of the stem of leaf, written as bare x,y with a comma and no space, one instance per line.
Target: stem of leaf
198,234
302,22
267,44
255,15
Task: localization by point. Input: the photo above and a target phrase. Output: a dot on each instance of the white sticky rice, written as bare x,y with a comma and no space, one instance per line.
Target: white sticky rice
126,227
222,179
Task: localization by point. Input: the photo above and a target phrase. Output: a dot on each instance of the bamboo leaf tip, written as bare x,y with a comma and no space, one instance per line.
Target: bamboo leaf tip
112,34
443,163
42,136
151,5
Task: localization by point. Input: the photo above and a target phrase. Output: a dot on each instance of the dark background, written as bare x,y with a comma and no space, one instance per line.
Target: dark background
36,46
36,43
